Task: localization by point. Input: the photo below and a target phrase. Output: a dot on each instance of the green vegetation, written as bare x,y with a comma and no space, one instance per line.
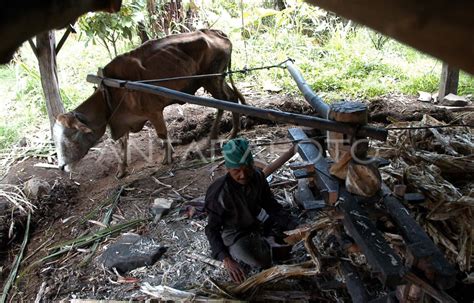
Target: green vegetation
337,58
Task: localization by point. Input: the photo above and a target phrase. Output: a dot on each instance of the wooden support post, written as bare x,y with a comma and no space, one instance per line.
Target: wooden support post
347,112
350,152
448,83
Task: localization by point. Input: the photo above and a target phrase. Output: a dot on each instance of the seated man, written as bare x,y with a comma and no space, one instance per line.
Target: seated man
242,212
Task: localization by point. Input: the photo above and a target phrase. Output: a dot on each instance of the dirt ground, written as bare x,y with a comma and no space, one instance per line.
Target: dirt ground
77,201
76,195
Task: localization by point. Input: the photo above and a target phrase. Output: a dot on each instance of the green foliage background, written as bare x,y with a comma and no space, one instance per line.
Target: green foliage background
337,58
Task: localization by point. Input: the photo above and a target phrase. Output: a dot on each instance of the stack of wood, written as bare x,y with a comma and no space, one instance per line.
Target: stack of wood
439,163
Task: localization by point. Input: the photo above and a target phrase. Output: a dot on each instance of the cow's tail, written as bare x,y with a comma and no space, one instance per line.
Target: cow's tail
234,88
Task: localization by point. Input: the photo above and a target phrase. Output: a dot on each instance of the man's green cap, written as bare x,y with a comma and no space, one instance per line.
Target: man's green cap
237,153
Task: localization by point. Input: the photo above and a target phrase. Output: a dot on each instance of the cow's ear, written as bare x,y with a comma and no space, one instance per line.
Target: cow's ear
81,126
70,121
65,120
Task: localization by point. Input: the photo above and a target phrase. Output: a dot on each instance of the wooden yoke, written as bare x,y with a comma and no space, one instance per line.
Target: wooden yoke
350,152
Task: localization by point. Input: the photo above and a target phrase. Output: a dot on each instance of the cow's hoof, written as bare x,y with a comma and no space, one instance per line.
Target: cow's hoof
167,161
232,134
121,173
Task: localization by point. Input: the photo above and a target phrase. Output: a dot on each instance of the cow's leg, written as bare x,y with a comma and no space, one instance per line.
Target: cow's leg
122,169
215,126
158,122
235,125
219,89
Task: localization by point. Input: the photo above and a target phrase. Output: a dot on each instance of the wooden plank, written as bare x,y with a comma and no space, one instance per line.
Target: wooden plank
302,173
386,264
304,196
354,284
426,255
327,185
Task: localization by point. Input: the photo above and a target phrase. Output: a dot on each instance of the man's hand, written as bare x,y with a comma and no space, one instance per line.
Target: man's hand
235,271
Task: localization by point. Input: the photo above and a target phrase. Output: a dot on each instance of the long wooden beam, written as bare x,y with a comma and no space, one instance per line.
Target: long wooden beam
354,284
316,102
268,114
441,28
427,256
386,264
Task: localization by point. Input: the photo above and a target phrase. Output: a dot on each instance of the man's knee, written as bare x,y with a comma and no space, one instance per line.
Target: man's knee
252,250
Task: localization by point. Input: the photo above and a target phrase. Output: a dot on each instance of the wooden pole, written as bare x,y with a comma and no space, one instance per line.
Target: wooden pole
316,102
70,29
268,114
448,83
270,168
45,44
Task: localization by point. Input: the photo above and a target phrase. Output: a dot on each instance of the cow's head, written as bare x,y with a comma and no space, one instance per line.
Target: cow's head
73,139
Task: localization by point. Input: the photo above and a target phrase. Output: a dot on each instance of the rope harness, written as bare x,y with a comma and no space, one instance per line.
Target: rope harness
106,95
245,70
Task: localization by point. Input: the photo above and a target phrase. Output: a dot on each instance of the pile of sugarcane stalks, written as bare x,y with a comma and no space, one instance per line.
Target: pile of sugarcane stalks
438,163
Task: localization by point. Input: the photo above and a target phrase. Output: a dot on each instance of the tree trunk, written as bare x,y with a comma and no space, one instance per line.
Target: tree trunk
45,43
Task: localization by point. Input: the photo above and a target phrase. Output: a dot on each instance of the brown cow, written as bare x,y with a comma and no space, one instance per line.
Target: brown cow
197,53
21,20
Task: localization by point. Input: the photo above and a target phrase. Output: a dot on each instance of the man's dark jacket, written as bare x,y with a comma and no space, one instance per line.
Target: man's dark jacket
235,210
